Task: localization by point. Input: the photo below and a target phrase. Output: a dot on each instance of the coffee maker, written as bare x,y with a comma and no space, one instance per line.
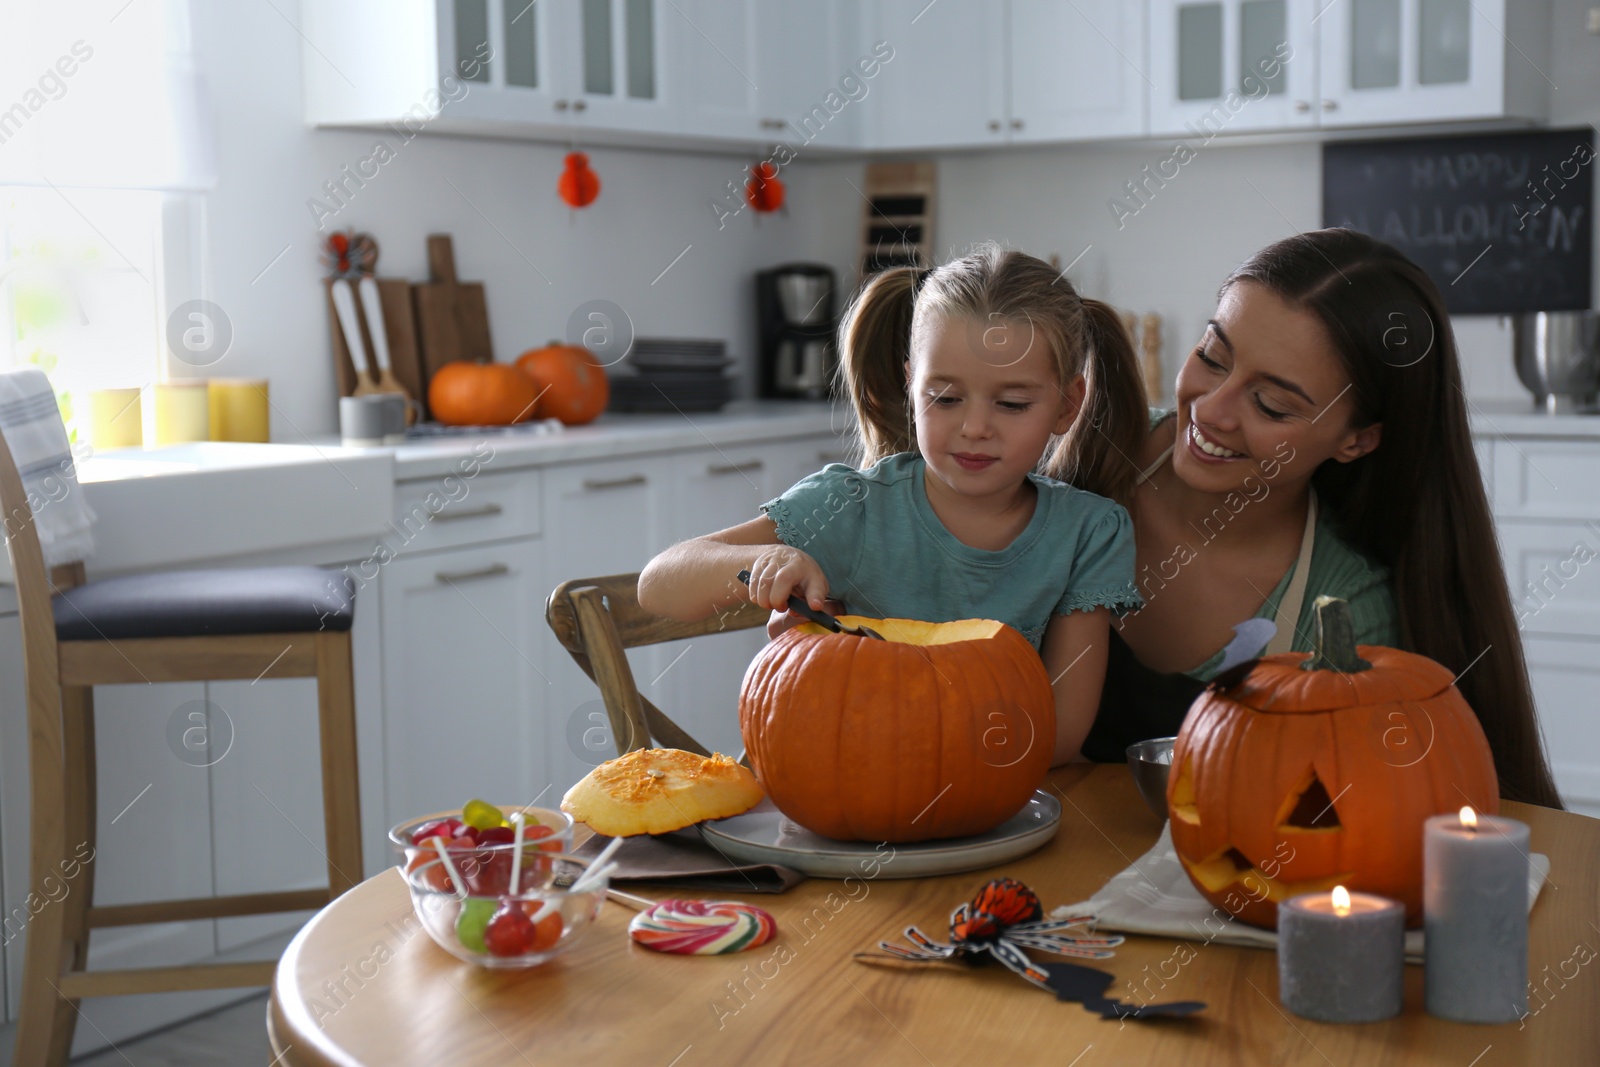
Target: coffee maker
796,318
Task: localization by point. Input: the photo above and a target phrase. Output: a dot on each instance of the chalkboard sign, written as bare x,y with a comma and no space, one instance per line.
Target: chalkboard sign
1501,222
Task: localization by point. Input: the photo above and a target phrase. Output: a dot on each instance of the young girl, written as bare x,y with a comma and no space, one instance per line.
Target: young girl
966,379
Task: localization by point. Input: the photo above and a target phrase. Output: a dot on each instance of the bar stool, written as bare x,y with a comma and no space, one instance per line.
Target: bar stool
286,622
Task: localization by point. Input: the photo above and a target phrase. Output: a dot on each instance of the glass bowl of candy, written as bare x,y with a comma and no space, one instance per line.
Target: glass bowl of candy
482,834
492,926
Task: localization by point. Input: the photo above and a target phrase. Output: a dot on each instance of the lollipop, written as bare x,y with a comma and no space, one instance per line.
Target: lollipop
702,927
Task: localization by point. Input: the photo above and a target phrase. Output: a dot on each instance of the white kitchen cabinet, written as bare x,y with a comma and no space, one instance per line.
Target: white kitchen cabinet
1232,65
762,70
605,517
504,67
1077,71
1566,675
464,693
1388,61
946,84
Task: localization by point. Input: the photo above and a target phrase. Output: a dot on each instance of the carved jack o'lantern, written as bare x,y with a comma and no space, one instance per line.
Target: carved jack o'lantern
1318,770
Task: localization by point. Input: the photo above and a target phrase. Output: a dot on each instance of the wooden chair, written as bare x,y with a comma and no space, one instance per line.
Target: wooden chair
76,635
598,619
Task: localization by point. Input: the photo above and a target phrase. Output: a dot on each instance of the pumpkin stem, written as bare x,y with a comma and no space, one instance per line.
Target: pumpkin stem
1335,640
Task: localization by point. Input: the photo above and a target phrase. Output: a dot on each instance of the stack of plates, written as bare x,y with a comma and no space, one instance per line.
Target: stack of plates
674,375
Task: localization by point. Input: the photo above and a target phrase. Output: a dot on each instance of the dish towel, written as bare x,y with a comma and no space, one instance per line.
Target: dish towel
37,438
1155,896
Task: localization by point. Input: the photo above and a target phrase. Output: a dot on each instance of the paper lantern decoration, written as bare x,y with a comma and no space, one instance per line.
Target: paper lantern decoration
1318,769
578,185
941,730
764,191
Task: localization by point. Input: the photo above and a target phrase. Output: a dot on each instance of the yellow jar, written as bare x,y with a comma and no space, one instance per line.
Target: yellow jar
239,409
183,411
116,419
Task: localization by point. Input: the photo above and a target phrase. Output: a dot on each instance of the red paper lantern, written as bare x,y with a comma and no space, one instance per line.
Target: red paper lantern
764,191
578,185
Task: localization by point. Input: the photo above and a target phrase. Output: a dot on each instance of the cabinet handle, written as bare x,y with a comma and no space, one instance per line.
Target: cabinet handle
773,124
994,125
1330,105
475,513
561,105
614,483
735,468
1302,106
494,570
1016,124
579,105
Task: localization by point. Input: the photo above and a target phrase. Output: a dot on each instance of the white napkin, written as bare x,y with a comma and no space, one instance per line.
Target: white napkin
37,438
1155,896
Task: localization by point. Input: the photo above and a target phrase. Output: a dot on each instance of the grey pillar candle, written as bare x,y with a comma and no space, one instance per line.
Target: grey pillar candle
1475,917
1341,964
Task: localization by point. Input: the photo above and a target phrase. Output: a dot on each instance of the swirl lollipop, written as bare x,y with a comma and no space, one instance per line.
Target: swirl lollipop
702,927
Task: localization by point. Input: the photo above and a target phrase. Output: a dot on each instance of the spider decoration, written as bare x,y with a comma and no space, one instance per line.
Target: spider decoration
1004,919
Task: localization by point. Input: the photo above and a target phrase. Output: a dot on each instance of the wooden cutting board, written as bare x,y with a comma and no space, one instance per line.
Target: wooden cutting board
452,316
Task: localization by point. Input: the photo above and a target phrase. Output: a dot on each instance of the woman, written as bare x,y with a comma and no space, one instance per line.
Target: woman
1319,445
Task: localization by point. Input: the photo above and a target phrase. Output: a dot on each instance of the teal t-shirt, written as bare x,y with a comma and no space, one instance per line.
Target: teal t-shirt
887,555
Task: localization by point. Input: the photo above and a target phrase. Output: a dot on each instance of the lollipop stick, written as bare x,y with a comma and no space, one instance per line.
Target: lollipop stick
516,852
628,898
450,868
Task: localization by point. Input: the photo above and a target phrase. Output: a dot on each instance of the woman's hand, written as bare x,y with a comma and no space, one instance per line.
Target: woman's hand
779,572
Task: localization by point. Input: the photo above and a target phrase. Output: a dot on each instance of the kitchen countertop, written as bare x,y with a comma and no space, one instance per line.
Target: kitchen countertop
1516,417
618,434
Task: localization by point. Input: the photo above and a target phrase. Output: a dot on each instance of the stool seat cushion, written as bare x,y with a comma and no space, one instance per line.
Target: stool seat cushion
207,603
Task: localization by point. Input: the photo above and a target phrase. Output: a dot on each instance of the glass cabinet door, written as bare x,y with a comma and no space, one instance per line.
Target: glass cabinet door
1220,66
1412,61
495,55
616,48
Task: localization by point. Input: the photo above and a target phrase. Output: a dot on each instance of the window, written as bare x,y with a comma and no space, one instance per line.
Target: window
80,302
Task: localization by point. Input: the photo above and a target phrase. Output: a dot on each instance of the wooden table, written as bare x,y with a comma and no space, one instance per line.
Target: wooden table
363,984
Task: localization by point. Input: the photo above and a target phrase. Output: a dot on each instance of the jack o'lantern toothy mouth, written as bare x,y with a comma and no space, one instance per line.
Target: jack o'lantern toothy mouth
1230,867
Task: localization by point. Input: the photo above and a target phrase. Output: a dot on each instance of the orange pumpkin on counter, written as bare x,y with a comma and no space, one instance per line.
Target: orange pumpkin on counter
942,730
1318,769
464,393
571,384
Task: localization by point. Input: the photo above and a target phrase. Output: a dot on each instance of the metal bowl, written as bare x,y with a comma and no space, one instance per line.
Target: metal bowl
1150,761
1557,356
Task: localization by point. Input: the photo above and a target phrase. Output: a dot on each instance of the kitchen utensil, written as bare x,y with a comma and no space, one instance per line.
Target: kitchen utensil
1151,762
764,835
1557,356
452,316
364,419
344,303
372,305
822,618
239,408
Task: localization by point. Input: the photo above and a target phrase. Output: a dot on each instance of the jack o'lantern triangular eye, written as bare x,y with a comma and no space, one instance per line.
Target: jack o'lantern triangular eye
1309,807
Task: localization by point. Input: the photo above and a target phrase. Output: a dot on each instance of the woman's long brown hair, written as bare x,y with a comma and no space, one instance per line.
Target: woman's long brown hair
1416,503
992,284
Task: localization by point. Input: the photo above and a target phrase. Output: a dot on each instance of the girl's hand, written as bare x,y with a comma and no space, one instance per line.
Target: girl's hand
783,621
779,572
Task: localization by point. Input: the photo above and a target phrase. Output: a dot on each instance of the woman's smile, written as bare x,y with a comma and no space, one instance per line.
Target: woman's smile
1208,451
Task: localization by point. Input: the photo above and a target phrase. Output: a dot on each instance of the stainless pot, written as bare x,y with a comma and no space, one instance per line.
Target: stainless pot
1557,355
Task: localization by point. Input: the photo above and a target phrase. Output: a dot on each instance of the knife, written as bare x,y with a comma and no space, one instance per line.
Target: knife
798,605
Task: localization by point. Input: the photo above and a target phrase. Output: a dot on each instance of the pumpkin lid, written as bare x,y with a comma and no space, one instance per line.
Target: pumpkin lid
1340,673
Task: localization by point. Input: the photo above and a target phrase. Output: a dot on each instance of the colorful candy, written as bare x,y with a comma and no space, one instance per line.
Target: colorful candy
482,815
702,927
472,922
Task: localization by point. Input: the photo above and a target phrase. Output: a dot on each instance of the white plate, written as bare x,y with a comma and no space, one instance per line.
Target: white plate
764,835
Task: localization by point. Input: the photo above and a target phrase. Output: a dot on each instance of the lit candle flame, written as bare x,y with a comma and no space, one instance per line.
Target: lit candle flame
1341,900
1469,818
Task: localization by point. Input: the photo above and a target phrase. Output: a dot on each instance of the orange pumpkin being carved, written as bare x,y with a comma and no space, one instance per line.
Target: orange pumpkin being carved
942,730
464,393
571,384
1318,769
